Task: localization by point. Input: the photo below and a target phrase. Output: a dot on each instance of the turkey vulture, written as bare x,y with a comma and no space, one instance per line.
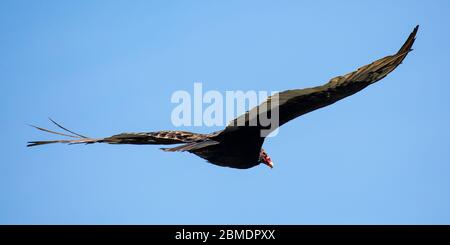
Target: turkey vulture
240,145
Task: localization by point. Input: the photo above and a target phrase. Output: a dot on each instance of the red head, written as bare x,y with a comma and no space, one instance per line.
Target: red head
264,158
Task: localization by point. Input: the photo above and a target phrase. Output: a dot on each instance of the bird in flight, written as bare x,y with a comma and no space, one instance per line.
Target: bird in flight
240,145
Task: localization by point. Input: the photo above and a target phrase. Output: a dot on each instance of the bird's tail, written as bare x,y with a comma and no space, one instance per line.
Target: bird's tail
192,146
144,138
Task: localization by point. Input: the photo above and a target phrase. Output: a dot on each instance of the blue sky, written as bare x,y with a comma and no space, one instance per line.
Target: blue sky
104,67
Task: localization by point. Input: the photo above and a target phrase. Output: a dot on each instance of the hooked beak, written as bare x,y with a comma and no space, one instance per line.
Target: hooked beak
269,163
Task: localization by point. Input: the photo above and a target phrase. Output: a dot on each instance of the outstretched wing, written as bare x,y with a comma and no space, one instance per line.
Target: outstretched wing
144,138
294,103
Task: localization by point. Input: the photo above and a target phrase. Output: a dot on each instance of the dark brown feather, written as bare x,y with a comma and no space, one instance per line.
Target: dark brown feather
144,138
297,102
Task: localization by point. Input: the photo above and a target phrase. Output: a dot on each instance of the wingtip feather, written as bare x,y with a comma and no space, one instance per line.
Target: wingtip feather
407,46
